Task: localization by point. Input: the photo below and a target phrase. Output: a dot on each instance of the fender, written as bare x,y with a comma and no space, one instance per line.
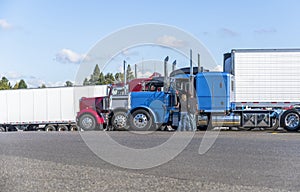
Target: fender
119,109
144,108
99,118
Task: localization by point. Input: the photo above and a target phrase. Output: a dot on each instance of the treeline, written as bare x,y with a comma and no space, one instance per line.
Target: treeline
99,78
5,84
96,78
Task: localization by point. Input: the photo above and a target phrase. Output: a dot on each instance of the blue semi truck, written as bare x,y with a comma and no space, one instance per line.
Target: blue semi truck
217,95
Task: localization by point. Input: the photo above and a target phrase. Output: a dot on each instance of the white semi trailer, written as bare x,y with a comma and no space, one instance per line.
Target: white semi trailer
267,79
47,109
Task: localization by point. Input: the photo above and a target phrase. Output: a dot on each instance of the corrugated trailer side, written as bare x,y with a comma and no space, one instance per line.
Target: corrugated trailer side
36,108
267,75
3,107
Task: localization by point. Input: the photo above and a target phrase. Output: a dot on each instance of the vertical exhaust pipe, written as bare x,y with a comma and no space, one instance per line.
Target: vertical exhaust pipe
135,71
166,73
125,78
191,88
173,65
191,62
199,64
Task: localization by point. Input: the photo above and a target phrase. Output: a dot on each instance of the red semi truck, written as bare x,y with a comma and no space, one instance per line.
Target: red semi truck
110,111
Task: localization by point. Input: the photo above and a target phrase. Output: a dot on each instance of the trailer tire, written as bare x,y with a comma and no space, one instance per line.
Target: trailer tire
32,127
2,129
62,128
87,122
290,120
73,128
12,128
141,120
119,120
275,124
50,128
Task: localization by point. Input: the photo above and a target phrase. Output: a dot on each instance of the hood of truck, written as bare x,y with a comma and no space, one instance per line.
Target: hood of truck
146,98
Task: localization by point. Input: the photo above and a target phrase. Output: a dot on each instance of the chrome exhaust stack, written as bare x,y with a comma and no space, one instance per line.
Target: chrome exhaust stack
166,79
191,88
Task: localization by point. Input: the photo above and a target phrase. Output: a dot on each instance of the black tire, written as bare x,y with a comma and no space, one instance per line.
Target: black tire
12,128
275,124
141,120
290,120
202,128
119,120
50,128
73,128
32,128
2,129
62,128
87,122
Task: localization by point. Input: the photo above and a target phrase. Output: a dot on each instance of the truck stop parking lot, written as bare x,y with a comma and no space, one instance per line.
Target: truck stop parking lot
237,161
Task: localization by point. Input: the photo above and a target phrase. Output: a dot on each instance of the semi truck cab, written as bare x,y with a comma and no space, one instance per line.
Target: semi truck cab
149,110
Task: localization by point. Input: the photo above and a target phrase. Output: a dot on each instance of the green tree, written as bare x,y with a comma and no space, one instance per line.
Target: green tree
69,84
86,81
16,86
95,76
42,86
119,77
4,84
22,84
101,79
129,73
109,78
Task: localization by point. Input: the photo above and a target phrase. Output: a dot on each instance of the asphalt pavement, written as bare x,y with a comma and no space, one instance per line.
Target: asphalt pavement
237,161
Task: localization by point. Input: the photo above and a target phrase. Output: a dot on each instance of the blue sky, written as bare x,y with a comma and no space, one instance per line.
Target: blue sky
44,41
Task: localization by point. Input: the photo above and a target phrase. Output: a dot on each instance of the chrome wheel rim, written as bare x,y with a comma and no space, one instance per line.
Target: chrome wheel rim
87,123
120,121
140,121
292,120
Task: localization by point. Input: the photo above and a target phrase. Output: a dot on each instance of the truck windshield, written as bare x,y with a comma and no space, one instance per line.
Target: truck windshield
118,91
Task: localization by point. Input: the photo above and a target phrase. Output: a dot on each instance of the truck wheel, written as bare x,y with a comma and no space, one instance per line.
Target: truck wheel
202,128
32,128
141,120
275,124
50,128
73,128
290,120
12,128
2,129
87,122
62,128
119,120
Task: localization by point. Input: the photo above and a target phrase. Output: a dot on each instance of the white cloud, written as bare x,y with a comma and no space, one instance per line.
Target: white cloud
4,24
226,32
265,31
13,75
171,41
34,82
69,56
31,81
